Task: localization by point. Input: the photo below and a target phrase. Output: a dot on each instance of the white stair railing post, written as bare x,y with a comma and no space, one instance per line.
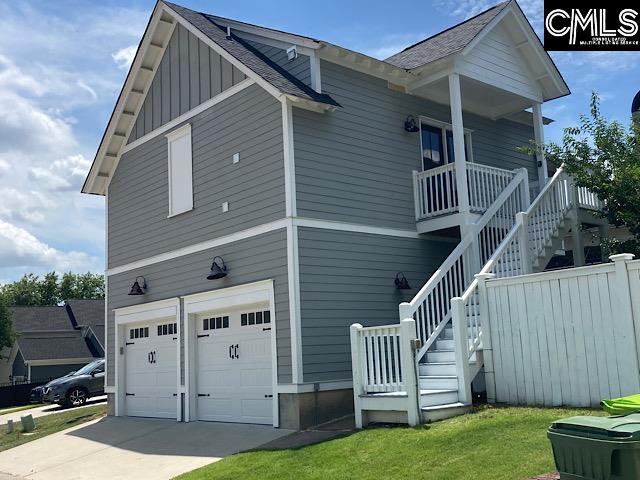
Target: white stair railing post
526,194
405,310
522,221
356,367
623,321
408,366
417,197
461,341
485,325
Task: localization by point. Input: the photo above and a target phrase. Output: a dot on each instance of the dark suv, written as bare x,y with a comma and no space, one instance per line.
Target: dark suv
75,388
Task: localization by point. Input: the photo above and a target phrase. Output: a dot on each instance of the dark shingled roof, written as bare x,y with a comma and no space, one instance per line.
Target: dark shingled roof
445,43
250,57
88,313
29,319
54,345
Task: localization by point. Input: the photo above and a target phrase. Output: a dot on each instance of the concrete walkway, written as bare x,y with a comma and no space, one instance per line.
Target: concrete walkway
43,410
124,448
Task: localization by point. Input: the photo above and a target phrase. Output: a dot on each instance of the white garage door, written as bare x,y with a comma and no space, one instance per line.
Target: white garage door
151,369
234,366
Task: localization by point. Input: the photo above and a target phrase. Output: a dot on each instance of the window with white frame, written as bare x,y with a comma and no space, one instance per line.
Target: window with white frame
436,141
180,171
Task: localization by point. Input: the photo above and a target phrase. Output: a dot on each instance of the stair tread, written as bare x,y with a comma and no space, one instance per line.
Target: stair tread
438,363
438,377
434,391
445,405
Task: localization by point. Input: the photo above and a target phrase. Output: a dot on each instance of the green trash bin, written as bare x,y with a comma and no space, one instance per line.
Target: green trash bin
597,448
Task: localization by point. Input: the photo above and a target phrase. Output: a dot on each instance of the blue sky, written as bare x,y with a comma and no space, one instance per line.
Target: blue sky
62,64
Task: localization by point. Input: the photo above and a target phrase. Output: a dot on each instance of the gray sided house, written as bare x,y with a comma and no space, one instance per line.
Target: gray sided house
265,191
53,340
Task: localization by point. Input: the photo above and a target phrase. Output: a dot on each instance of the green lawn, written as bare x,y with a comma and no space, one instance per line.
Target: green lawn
50,424
492,444
17,409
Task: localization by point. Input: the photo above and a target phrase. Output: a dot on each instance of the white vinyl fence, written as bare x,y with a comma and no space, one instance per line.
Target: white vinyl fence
567,337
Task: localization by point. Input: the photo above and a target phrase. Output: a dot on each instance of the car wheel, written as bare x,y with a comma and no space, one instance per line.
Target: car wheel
76,397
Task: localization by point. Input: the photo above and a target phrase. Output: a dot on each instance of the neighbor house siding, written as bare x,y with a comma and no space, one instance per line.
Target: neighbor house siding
348,278
248,123
189,74
254,259
355,164
299,67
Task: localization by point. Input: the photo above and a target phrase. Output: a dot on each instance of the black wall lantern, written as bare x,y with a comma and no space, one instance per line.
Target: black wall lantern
401,282
218,269
411,125
136,288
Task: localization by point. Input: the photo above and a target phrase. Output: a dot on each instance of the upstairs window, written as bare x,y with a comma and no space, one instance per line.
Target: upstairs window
436,139
180,171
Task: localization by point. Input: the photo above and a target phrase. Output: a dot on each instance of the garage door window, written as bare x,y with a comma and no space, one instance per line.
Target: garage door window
167,329
141,332
255,318
215,323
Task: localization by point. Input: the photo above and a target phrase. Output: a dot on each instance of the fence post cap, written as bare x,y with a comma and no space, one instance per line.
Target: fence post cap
356,326
621,257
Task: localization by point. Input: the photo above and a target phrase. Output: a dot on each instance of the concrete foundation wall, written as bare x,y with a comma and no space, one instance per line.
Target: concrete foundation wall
302,410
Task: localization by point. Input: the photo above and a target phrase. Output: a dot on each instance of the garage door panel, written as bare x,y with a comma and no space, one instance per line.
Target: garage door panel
151,372
234,367
255,378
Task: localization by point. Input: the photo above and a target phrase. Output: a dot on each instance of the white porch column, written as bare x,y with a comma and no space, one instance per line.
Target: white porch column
455,100
538,132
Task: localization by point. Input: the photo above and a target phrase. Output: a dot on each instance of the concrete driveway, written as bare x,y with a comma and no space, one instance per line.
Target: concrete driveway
131,448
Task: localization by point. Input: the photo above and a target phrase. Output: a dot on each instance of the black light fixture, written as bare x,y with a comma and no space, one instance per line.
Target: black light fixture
136,288
401,282
411,125
218,270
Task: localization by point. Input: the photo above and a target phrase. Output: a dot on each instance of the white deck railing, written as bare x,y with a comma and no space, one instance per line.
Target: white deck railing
431,306
435,190
588,199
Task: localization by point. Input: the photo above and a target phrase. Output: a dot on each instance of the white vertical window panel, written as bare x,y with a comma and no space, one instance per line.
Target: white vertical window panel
180,171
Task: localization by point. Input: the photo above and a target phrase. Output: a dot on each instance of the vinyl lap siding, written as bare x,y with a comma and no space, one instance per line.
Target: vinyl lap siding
254,259
249,123
189,74
355,164
348,278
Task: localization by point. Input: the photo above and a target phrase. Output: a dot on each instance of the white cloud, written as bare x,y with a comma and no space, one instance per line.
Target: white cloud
25,206
19,248
124,56
4,167
391,44
64,174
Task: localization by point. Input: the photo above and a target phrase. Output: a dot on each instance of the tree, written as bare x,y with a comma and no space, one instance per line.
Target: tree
31,290
7,335
604,157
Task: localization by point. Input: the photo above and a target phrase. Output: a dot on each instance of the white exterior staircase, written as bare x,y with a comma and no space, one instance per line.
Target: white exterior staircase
421,369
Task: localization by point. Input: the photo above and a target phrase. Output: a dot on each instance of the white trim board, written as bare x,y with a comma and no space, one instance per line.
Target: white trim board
59,361
229,92
270,227
311,386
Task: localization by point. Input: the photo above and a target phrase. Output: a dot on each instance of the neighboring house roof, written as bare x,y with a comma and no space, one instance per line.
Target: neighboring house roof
45,346
88,313
57,333
445,43
29,319
250,57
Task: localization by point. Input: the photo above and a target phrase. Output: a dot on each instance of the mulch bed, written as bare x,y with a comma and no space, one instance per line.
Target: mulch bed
547,476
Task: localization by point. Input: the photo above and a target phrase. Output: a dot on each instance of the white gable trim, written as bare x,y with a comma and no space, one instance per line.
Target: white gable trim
531,40
238,87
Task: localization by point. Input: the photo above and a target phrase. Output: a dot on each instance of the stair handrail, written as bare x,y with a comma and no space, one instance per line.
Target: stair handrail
452,277
512,243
